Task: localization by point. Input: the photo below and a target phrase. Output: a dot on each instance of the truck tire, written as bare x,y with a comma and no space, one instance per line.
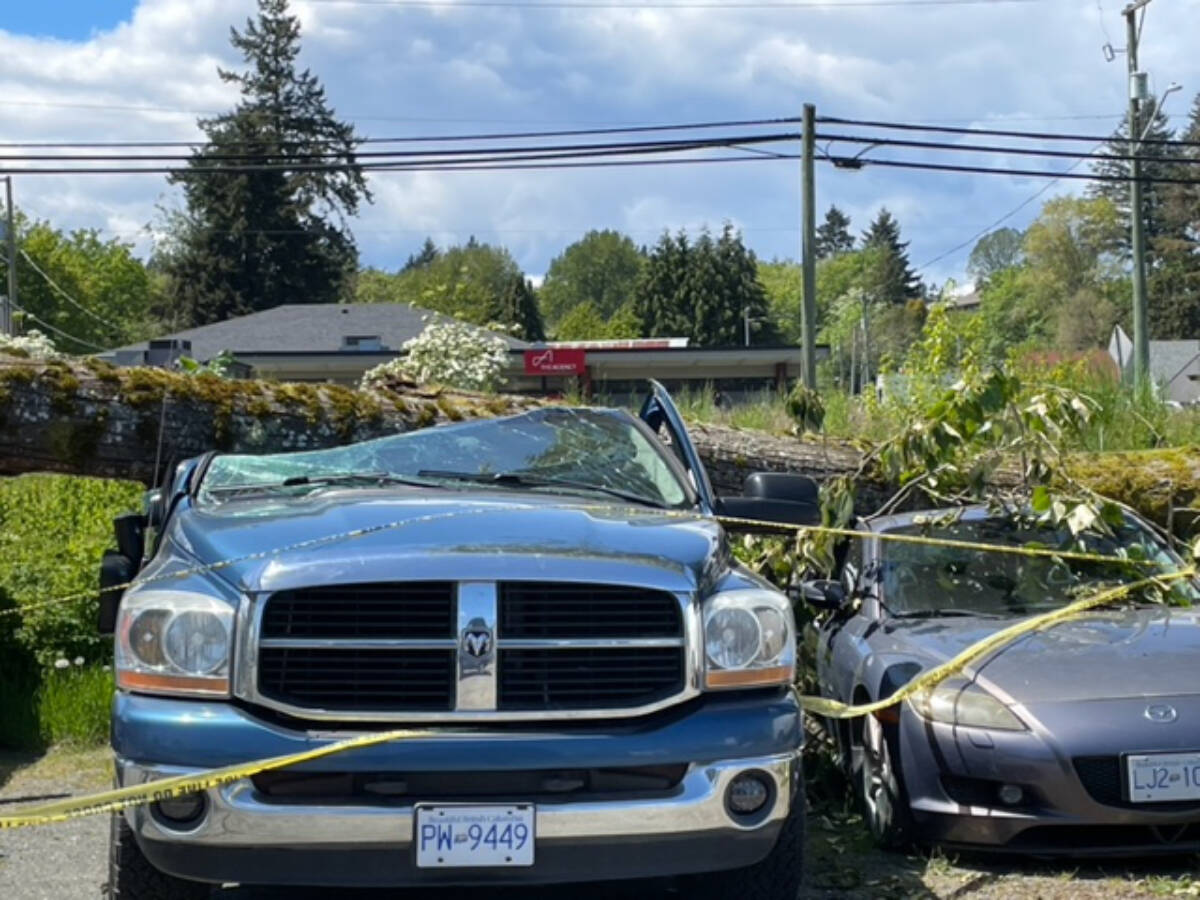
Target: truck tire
132,877
778,877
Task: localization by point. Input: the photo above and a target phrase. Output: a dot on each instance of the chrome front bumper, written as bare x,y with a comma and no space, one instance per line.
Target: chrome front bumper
244,837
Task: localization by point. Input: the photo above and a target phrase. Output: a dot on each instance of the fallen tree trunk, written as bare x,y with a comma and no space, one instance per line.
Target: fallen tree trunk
90,418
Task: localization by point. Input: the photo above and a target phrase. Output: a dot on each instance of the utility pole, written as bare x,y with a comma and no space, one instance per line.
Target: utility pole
808,225
1141,334
10,232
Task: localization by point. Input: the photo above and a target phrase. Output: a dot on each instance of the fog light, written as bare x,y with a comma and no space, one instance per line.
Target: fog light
1010,794
747,794
177,812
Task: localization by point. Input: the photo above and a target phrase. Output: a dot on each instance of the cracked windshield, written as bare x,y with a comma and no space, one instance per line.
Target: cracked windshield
584,451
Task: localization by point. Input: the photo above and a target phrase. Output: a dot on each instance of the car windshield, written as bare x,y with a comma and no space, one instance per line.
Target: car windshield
921,580
597,452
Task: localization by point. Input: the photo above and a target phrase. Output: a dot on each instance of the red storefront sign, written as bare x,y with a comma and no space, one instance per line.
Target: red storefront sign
555,361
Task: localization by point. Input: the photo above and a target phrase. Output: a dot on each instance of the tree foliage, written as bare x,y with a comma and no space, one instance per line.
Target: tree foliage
701,290
1174,278
101,293
833,235
994,252
891,278
264,223
600,269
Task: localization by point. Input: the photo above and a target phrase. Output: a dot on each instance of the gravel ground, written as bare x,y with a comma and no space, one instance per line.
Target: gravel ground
67,861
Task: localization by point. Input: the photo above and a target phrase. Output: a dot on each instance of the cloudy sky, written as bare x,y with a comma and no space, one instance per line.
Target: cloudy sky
144,69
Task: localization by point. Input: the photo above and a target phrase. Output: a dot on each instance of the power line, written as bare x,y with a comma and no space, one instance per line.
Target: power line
855,163
50,281
995,132
447,138
1016,151
58,331
304,157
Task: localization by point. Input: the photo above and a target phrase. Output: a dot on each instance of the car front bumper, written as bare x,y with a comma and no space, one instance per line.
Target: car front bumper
248,837
953,776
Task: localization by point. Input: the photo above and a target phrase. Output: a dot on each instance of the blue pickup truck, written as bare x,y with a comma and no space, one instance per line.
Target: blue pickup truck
599,690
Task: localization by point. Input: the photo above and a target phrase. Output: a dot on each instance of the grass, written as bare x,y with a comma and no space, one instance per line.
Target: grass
74,705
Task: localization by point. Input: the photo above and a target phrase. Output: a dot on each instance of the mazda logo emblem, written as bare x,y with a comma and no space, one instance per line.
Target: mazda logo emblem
1161,712
477,643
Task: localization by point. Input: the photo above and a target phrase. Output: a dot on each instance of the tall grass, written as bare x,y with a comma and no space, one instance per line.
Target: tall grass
74,704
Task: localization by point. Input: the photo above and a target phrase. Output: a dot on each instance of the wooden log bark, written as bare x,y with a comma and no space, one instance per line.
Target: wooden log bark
86,417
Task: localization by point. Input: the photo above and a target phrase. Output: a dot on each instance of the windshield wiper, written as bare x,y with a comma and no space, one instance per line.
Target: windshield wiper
316,480
943,613
523,479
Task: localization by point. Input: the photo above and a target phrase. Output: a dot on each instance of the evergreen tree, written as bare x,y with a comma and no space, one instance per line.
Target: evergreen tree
516,306
1174,280
1159,164
702,290
833,235
423,258
253,238
892,279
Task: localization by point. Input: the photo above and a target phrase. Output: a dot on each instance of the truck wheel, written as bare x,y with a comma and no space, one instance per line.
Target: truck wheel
132,877
778,877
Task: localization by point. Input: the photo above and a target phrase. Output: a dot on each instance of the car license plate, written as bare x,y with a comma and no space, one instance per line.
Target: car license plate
1155,777
458,836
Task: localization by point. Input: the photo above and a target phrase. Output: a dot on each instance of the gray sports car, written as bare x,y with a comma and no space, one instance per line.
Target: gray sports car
1081,739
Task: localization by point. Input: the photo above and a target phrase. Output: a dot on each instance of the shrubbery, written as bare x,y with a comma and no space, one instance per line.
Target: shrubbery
53,531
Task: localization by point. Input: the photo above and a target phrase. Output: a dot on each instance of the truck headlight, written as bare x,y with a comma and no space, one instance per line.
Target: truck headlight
958,702
749,639
174,642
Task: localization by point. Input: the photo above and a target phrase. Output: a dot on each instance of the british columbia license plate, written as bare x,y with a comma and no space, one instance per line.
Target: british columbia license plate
458,836
1155,777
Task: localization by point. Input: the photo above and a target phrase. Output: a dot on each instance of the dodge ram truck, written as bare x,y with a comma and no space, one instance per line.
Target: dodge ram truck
598,690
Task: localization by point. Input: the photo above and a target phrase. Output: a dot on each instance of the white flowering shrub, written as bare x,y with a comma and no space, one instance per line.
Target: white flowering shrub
33,345
450,353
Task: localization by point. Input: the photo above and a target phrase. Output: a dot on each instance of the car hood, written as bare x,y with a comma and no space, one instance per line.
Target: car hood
1137,652
331,536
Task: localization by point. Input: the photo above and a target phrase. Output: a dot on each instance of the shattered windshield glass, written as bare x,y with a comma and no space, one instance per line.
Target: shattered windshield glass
584,451
918,580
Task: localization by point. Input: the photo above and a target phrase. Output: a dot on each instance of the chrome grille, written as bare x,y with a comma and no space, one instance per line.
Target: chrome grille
476,649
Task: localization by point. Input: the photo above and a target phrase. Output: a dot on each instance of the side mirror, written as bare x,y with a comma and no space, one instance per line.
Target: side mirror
115,569
824,594
777,497
130,531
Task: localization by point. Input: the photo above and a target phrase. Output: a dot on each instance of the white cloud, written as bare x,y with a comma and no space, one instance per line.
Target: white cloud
410,71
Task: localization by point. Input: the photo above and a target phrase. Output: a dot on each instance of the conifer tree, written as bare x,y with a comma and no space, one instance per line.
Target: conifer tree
423,258
1174,277
833,235
891,279
269,193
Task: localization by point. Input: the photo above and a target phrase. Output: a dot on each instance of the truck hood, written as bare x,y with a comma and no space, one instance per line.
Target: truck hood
332,536
1140,651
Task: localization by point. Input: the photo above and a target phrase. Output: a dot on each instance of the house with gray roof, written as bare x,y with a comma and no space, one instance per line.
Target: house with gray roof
1174,365
297,341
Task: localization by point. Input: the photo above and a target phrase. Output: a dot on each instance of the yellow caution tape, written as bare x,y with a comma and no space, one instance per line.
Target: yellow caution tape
134,795
176,786
835,709
732,521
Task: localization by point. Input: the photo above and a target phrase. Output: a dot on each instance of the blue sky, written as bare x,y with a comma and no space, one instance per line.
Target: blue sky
143,69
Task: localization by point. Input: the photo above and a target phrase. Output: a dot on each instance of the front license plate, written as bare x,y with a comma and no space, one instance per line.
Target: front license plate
458,836
1155,777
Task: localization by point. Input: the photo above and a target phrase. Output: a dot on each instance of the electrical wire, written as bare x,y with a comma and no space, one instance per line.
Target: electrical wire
448,138
56,330
849,162
996,132
303,158
83,309
1016,151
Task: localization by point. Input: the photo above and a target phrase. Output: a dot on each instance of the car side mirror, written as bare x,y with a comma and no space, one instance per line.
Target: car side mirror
120,566
824,594
777,497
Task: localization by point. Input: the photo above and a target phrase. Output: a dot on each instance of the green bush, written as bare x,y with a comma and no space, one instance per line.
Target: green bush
73,704
53,531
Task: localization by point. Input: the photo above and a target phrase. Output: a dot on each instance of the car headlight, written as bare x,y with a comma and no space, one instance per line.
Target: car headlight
174,642
957,702
749,639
